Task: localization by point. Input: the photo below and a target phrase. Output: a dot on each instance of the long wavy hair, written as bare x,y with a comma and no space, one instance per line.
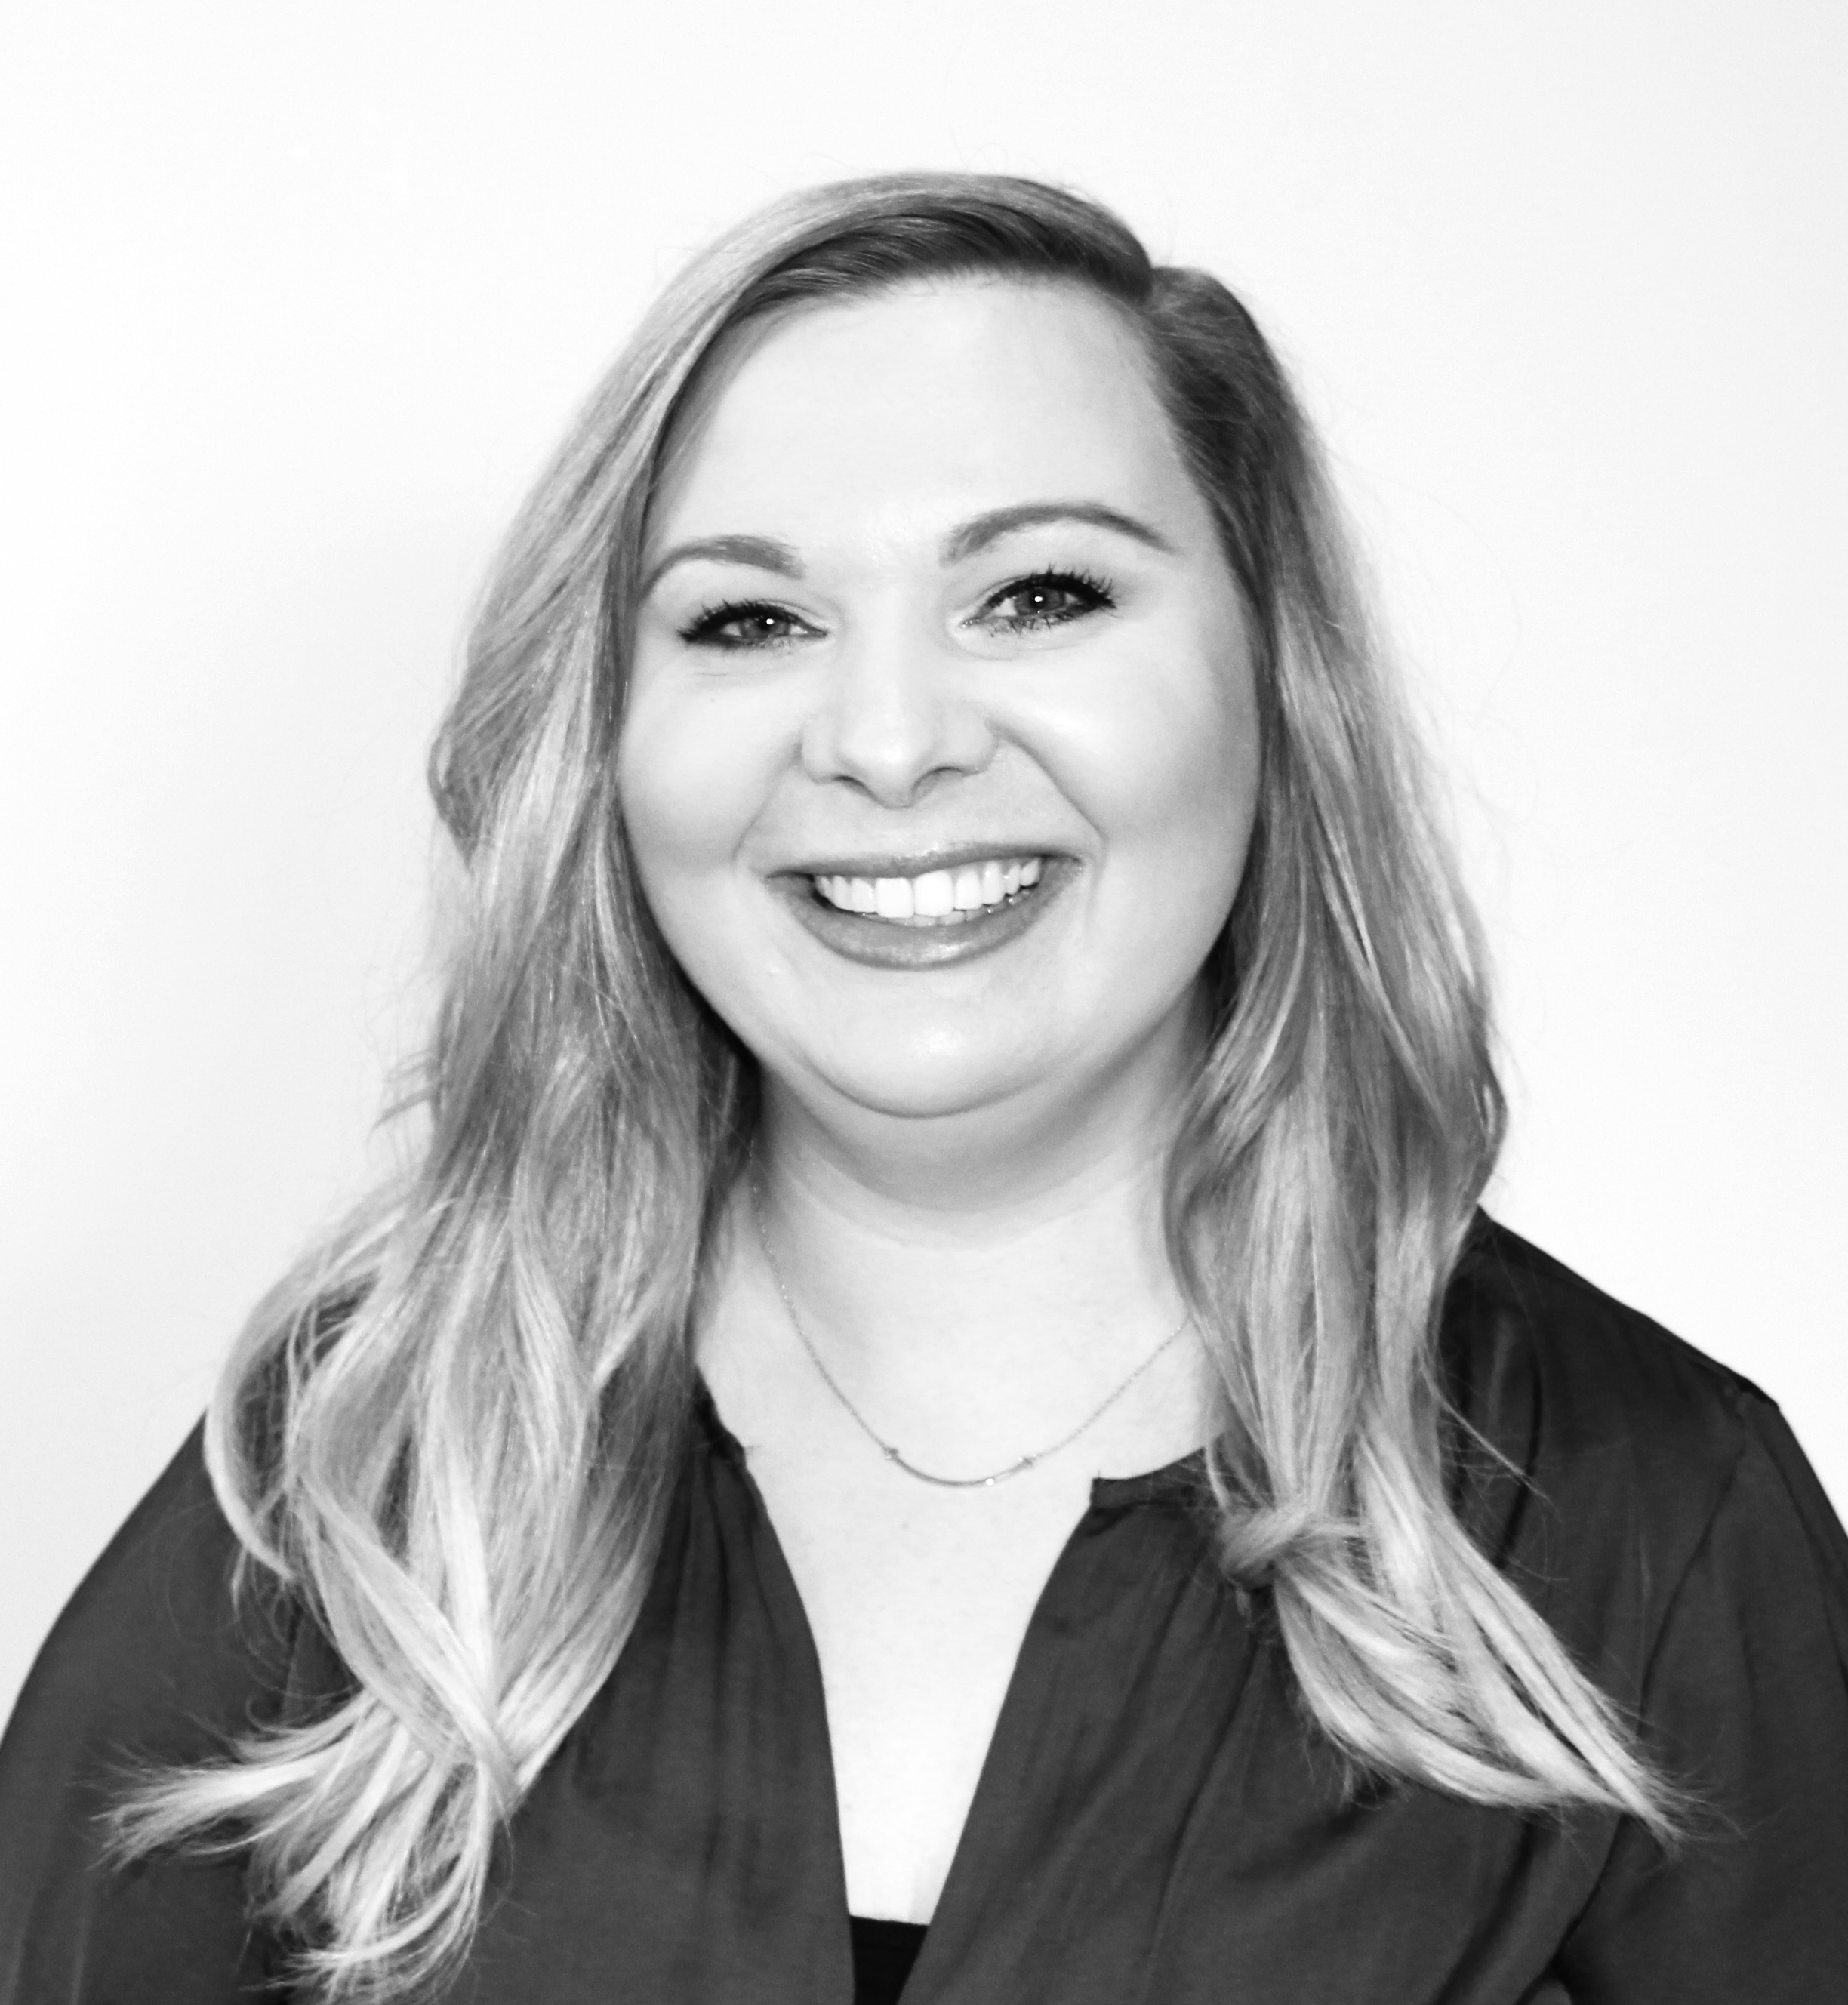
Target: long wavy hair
451,1433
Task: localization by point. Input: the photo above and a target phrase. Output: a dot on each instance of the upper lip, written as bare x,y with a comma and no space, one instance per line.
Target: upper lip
918,862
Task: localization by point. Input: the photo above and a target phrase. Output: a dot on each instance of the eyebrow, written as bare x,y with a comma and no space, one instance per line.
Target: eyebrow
982,530
767,553
760,552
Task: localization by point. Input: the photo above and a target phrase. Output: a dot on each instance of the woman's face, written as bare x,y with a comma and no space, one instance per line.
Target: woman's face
941,753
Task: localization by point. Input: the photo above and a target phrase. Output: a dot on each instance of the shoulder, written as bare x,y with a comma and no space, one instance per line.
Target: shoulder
155,1661
1656,1510
1531,1346
155,1647
1598,1452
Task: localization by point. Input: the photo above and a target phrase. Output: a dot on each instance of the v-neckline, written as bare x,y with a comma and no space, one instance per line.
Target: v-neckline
1108,1493
1173,1482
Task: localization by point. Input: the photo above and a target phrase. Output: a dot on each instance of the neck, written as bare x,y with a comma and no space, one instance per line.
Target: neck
1017,1282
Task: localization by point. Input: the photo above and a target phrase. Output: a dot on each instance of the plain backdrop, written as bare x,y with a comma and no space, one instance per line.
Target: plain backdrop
298,295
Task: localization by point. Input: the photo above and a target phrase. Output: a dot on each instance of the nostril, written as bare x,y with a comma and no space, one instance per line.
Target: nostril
892,735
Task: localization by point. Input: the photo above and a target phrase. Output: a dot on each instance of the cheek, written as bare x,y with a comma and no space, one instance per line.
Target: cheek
1168,770
690,786
689,783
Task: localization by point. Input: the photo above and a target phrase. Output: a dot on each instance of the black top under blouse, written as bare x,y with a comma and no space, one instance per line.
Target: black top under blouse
884,1953
1154,1824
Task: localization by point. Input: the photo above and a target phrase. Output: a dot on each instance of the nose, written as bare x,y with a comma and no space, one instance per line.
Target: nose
895,716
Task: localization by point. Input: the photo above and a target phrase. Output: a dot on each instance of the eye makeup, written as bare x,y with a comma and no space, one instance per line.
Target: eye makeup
1084,592
755,618
1054,597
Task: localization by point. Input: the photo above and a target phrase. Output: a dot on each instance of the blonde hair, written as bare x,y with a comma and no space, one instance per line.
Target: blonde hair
452,1431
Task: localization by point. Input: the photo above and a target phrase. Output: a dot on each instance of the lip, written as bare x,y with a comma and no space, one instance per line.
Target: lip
914,863
877,943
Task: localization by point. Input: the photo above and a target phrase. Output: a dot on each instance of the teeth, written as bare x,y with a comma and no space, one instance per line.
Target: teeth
933,894
936,895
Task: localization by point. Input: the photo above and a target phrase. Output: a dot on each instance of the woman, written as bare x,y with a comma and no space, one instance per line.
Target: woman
939,1363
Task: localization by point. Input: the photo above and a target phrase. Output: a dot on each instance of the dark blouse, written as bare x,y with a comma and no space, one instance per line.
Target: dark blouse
1154,1823
884,1953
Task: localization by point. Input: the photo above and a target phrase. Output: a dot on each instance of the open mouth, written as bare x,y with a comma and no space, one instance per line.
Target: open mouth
934,898
964,907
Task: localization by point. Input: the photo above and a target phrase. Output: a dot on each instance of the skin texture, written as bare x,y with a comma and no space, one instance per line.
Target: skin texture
887,716
961,1163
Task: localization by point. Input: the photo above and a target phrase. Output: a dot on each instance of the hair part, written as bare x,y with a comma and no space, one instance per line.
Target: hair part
451,1433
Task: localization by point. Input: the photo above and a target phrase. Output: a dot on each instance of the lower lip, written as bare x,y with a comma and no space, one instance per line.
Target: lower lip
881,943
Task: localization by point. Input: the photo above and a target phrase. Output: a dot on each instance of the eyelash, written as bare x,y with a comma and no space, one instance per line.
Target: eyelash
704,629
1080,584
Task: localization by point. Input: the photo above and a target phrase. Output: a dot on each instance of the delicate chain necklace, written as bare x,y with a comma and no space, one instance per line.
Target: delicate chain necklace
885,1448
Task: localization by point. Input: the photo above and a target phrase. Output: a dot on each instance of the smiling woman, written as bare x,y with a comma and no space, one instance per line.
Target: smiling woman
1030,726
938,1411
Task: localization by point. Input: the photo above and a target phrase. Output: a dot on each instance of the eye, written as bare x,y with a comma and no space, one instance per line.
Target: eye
756,626
1047,598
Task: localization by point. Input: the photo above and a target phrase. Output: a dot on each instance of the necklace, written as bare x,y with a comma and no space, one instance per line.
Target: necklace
885,1448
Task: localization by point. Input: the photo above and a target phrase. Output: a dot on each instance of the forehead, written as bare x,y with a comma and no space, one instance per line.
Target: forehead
937,399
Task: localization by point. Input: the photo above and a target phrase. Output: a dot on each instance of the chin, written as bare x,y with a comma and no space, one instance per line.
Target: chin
926,1077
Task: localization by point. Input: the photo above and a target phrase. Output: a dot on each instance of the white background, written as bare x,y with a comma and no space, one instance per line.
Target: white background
297,295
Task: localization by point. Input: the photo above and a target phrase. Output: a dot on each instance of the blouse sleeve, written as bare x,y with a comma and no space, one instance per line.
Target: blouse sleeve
150,1662
1746,1699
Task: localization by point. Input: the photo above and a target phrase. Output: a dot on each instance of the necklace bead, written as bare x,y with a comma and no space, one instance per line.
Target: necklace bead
891,1453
